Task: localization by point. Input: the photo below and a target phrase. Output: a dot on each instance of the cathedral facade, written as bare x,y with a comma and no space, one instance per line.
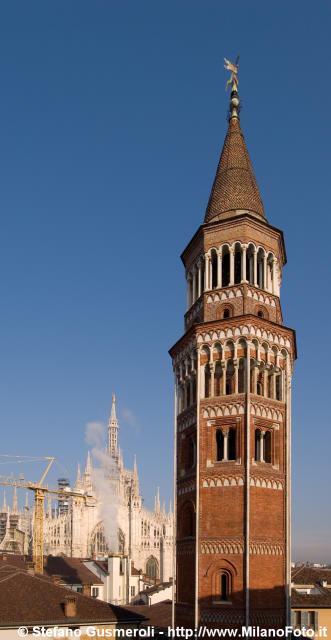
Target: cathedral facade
233,370
78,528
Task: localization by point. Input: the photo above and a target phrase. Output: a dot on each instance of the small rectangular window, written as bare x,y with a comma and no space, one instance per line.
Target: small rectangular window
95,592
133,591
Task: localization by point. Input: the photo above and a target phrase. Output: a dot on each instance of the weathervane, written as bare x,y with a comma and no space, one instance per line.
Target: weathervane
233,81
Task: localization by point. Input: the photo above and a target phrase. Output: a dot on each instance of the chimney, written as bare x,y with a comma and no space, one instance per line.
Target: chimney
94,556
30,567
4,556
86,589
70,606
56,578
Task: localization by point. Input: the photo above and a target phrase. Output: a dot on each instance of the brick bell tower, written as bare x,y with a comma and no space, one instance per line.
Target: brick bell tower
233,369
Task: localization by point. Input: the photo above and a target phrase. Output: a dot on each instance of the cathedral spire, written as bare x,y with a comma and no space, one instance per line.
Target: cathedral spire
135,470
235,189
157,501
79,477
15,506
88,468
112,431
4,504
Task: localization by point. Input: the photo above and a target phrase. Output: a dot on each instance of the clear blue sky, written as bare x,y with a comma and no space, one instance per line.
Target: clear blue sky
112,119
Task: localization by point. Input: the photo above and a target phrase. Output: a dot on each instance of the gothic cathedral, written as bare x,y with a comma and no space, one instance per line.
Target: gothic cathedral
233,369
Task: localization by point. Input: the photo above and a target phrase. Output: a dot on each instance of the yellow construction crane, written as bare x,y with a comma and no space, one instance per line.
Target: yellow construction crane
39,500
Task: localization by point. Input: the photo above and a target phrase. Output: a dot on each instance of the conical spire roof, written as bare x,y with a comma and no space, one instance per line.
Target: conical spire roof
235,188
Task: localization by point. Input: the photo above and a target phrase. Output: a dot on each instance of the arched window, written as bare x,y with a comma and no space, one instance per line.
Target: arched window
99,544
260,268
260,314
152,568
202,276
218,379
226,313
259,383
229,378
267,446
257,445
207,381
250,264
219,445
237,264
279,386
225,267
224,586
214,262
232,444
241,376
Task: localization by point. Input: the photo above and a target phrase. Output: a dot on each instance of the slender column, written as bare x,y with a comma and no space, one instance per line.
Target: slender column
225,444
194,293
188,294
219,269
255,267
206,273
273,385
274,277
243,263
235,364
212,378
254,376
223,364
191,389
260,273
199,279
265,272
262,434
265,382
231,266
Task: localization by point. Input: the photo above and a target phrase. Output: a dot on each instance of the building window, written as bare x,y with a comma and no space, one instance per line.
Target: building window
95,592
214,269
133,591
267,447
152,568
257,445
260,314
224,592
262,446
219,445
79,589
232,444
226,313
225,444
222,586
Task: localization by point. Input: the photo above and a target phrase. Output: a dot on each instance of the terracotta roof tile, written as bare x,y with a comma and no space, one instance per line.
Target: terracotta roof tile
71,570
27,599
322,599
310,575
235,185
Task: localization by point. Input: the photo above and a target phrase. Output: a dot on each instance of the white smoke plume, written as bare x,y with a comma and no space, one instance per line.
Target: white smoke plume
104,479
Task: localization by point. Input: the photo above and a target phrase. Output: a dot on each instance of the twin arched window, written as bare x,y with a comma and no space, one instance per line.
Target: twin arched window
262,446
225,445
